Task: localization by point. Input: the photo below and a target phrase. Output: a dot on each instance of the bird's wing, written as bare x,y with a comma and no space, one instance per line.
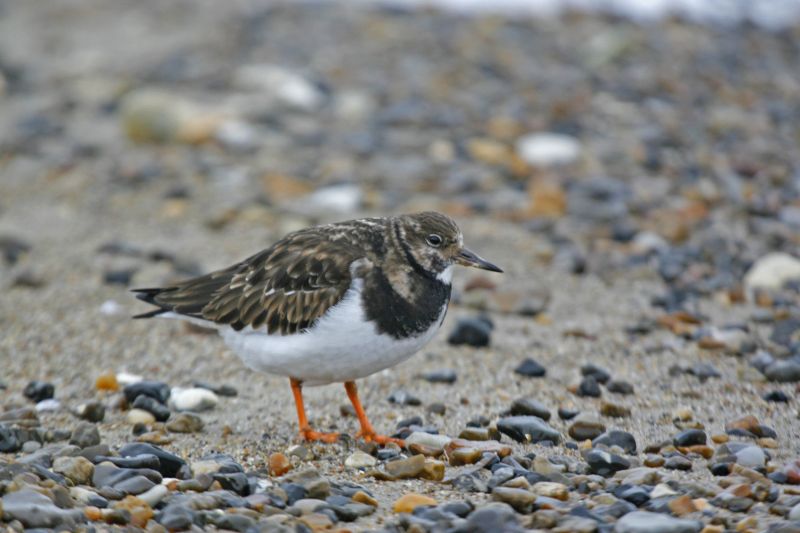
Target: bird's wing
284,288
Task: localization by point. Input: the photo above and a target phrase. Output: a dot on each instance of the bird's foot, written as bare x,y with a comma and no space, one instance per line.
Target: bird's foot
380,439
314,436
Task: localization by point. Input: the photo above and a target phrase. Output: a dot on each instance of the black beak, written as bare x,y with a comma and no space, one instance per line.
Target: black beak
471,259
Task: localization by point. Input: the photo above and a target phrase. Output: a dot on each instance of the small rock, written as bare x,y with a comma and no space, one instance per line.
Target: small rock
157,390
35,510
170,465
359,459
406,468
619,387
528,428
474,332
616,437
586,427
548,149
645,522
783,371
440,376
529,406
408,502
107,382
520,499
402,397
772,272
140,416
589,387
777,396
39,390
152,406
422,438
219,390
93,411
193,399
614,410
689,437
279,464
84,435
530,368
185,423
601,375
606,464
78,469
678,462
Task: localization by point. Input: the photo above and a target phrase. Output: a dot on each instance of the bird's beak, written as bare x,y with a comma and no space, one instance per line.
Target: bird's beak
471,259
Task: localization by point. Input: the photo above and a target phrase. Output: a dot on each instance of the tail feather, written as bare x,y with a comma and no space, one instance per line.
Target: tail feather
149,295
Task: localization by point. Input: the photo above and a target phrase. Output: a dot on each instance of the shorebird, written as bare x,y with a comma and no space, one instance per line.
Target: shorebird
330,303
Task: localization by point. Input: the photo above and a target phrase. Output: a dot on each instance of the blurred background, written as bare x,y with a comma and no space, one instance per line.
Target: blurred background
144,141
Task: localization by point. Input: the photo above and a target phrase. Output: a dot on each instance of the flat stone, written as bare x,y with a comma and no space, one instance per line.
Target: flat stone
78,469
606,464
193,399
492,518
528,428
157,390
84,435
169,464
408,502
474,332
586,426
36,510
359,459
619,387
406,468
645,522
783,371
530,368
140,416
616,437
690,437
520,499
529,406
185,423
427,439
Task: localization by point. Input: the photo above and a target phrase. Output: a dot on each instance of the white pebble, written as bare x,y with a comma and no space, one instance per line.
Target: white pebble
751,456
125,378
794,514
772,271
360,459
426,439
140,416
110,307
154,495
193,399
548,149
49,405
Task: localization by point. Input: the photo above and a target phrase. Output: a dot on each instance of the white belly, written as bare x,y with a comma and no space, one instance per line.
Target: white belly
341,346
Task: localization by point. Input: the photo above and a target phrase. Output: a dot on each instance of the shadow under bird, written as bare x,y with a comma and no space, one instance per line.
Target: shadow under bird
330,303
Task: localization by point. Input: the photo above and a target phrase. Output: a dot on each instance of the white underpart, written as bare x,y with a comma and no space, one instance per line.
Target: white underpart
341,346
446,275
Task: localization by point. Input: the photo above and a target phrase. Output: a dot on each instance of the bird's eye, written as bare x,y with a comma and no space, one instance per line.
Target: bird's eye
434,240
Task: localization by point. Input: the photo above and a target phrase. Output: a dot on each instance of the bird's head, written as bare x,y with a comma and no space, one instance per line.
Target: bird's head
432,241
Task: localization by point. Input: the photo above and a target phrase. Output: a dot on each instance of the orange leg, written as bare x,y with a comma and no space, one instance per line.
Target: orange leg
367,431
305,431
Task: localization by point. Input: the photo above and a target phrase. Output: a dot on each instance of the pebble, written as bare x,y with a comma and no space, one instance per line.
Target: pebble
37,391
422,438
474,332
772,271
359,459
440,376
530,368
528,429
614,410
408,502
406,468
619,387
107,382
169,465
690,437
546,149
645,522
601,375
616,437
92,411
777,396
586,427
78,469
140,416
678,462
159,411
529,406
604,463
157,390
783,371
185,423
521,500
35,510
193,399
84,435
402,397
589,387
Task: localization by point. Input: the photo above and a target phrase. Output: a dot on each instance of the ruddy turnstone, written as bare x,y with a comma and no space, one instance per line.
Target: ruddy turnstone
331,303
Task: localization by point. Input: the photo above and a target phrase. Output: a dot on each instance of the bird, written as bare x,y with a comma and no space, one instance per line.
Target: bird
331,303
